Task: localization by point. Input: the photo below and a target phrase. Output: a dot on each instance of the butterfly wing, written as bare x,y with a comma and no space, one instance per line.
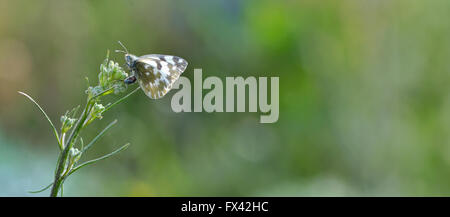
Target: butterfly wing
157,73
178,62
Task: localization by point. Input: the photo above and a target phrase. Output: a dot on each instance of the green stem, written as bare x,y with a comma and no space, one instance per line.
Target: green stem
65,153
59,176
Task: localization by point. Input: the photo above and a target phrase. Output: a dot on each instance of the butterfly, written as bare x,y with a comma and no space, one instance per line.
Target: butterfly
156,73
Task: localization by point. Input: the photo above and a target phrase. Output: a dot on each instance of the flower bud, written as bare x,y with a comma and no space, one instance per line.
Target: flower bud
74,152
74,155
97,110
67,123
111,76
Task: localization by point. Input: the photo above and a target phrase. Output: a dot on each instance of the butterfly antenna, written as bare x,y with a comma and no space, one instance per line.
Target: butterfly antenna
123,46
121,51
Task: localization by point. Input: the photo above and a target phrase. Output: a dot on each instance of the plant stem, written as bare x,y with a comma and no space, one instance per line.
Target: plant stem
60,174
65,153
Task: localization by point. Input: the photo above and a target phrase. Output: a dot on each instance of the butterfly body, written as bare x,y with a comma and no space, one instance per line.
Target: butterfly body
155,73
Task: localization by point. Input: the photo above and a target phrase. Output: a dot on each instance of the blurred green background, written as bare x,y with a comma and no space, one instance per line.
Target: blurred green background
364,97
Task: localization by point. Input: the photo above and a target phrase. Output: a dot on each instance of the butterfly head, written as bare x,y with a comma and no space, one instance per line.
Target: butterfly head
130,59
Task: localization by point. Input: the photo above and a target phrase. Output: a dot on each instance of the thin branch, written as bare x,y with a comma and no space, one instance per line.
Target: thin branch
101,94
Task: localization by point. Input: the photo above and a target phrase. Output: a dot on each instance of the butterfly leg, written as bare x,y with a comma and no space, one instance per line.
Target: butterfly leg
130,80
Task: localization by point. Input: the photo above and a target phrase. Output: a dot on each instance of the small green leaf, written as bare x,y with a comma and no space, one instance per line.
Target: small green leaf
98,159
43,189
98,136
121,99
46,116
